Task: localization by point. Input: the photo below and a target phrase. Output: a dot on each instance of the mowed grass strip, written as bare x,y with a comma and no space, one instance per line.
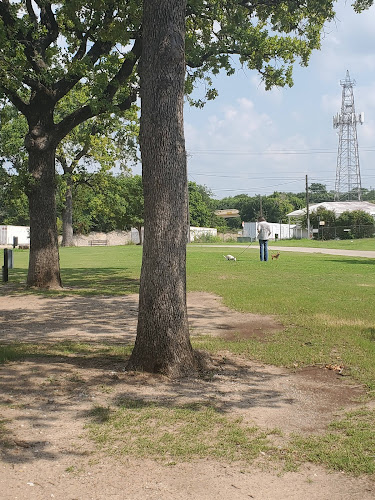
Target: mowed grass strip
357,244
169,433
65,349
348,446
112,270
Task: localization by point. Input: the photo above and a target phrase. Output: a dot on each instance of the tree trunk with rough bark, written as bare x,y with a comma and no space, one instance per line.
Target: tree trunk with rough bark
44,265
67,216
139,229
162,344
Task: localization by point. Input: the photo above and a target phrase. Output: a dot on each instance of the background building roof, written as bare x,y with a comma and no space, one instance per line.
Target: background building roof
338,207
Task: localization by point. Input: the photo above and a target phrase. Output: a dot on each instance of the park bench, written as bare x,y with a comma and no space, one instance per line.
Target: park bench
95,243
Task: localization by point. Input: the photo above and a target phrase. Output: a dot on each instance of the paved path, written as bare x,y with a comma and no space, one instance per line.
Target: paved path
369,254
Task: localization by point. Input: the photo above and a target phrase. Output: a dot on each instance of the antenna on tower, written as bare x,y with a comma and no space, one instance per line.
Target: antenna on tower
348,176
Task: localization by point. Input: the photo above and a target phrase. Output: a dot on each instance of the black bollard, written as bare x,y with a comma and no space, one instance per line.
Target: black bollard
5,266
8,263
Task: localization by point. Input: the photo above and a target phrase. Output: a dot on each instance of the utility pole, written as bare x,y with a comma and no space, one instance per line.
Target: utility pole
348,176
307,208
260,207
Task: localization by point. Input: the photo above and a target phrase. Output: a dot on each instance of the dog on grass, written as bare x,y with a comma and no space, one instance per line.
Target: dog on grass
275,255
229,257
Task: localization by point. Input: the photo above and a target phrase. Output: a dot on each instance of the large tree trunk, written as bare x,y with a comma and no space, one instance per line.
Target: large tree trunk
44,266
67,216
140,232
162,344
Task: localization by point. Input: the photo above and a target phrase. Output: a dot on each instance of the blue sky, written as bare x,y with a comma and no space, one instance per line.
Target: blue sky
257,142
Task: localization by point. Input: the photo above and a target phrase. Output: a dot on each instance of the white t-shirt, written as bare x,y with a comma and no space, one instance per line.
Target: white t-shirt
264,230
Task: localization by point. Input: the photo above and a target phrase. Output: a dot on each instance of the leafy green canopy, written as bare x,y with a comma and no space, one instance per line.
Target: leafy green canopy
47,48
82,157
268,35
360,5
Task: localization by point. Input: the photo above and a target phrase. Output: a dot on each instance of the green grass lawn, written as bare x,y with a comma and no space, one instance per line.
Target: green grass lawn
325,302
359,244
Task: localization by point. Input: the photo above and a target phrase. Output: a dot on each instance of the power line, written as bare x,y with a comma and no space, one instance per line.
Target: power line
269,152
245,176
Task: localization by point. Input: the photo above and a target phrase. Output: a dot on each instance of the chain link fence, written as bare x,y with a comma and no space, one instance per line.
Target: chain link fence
344,232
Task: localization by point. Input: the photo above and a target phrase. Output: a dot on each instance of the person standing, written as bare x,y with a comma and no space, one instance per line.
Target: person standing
264,232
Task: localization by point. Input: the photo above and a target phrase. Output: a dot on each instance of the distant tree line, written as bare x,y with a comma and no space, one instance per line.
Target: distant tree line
105,202
90,197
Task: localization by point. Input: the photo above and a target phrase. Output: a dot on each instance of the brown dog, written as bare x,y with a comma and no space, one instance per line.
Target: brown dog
275,255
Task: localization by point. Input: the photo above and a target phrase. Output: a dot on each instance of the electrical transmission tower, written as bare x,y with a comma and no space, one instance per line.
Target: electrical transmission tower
348,176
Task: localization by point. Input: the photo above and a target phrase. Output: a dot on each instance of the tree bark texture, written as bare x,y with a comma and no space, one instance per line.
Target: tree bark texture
140,233
67,217
162,343
44,265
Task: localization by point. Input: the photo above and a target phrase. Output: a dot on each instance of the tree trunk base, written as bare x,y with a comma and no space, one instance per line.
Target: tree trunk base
199,364
53,286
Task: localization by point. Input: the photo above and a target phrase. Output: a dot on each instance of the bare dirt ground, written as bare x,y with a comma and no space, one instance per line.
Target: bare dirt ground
44,405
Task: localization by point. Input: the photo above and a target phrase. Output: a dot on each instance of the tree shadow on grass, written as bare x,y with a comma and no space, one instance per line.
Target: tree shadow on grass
109,281
76,318
351,260
79,281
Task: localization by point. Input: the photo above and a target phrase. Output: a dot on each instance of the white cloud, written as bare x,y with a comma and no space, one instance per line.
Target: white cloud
238,125
275,94
331,103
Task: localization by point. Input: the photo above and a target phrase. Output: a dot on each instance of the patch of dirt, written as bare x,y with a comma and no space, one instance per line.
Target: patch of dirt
44,404
208,316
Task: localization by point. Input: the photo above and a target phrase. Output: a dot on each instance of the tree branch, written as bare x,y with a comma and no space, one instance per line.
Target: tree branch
125,70
60,158
127,103
73,120
48,20
83,37
15,100
63,86
84,150
84,113
98,49
10,24
31,13
5,13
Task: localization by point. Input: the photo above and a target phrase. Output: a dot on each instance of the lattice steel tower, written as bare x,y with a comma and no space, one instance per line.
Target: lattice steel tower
348,176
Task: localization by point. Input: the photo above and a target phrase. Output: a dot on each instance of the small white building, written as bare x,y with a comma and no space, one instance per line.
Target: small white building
198,232
7,233
278,231
195,233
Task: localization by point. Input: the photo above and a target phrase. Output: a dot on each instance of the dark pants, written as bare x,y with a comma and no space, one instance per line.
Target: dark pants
263,247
